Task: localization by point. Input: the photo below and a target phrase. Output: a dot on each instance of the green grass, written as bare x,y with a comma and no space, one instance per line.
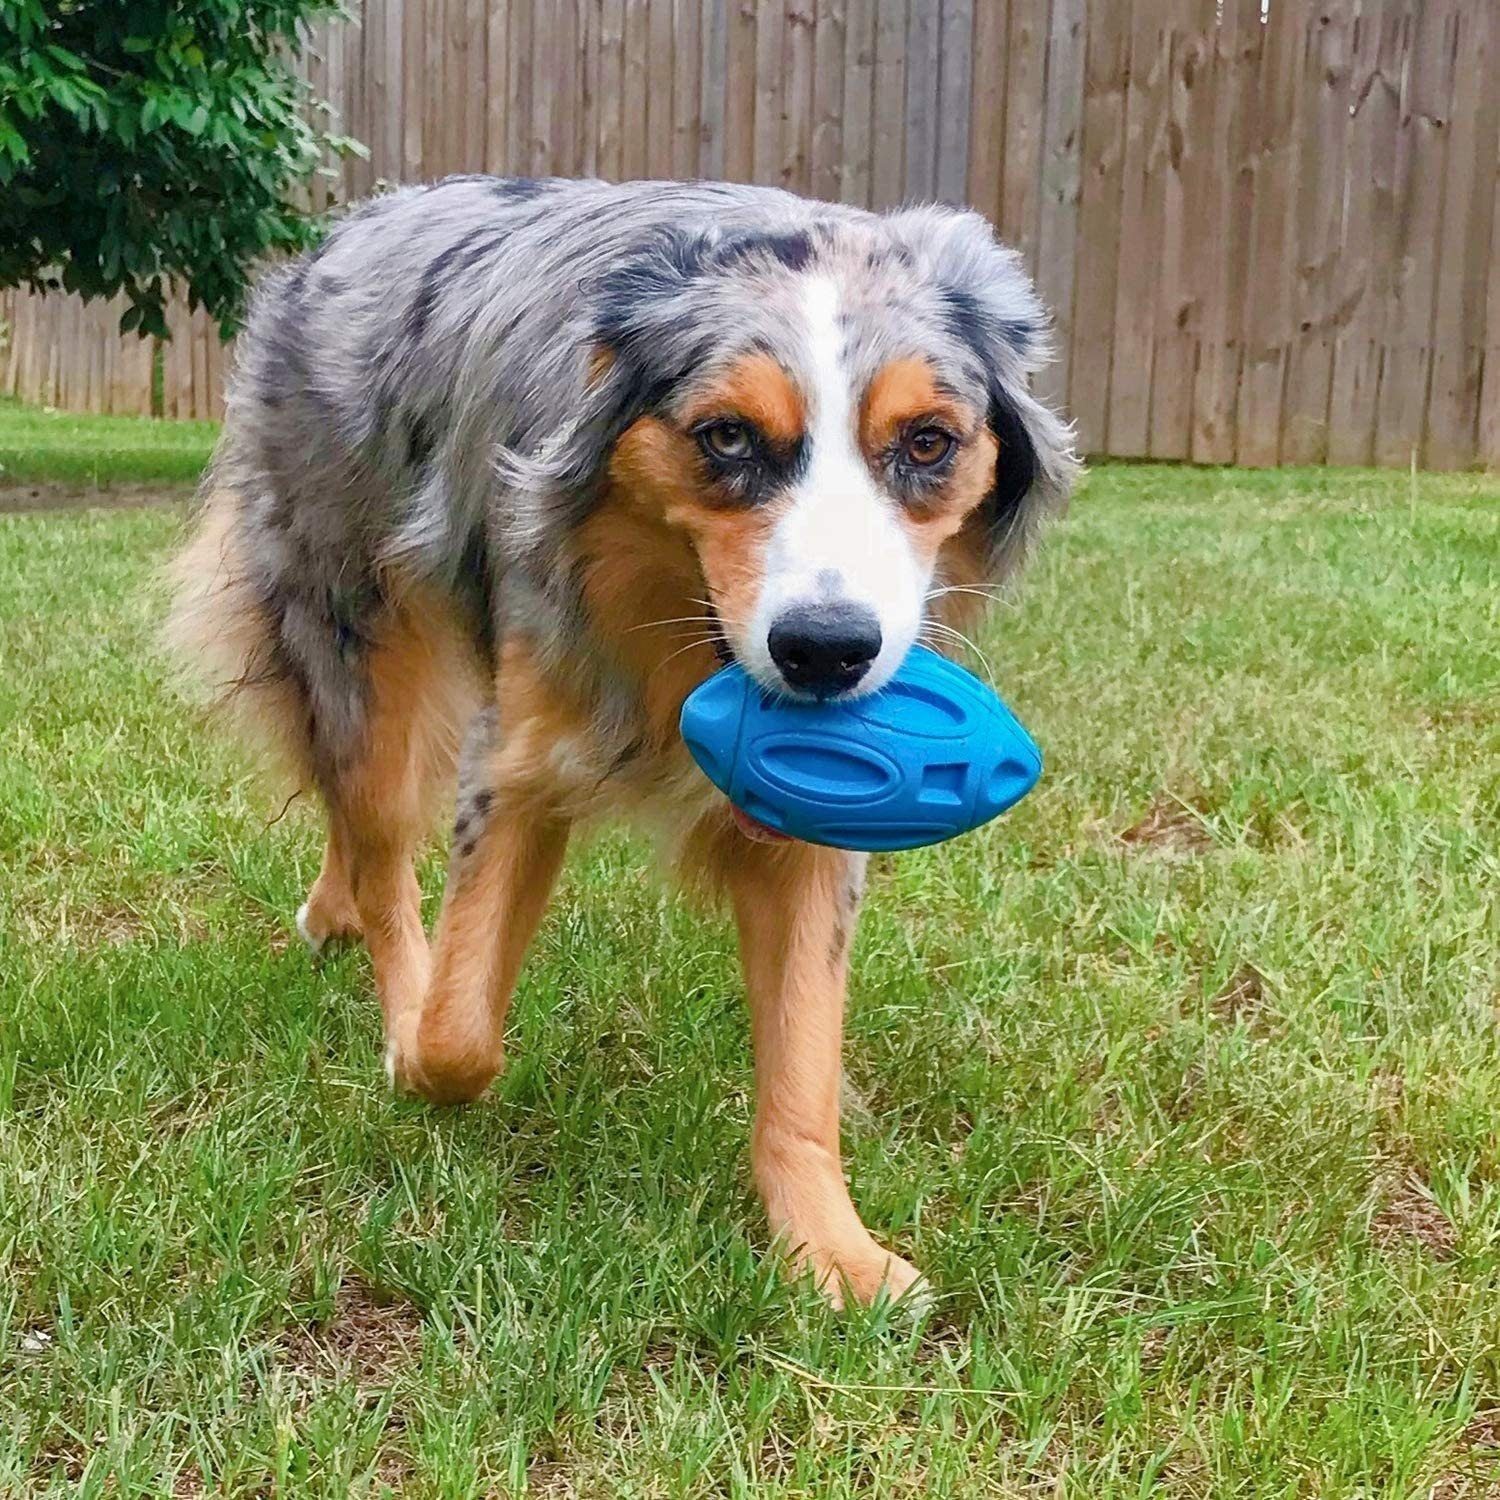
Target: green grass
1196,1131
41,445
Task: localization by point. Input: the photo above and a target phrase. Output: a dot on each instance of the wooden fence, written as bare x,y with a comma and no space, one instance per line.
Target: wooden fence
1269,229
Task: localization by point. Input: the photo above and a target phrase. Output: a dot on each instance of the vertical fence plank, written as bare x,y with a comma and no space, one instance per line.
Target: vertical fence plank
476,72
887,144
538,149
770,57
519,86
1367,229
1223,220
634,88
1140,226
588,97
1057,220
987,106
712,88
1268,290
658,123
855,182
496,83
955,89
1025,67
687,119
1108,55
739,92
920,144
1489,390
797,96
829,40
1420,227
1319,209
1458,333
1174,339
612,89
7,338
413,76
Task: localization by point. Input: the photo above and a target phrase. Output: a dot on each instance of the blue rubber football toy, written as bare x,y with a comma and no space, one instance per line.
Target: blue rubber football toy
931,755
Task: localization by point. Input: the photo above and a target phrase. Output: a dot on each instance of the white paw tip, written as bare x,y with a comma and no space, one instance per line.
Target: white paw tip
313,943
918,1301
390,1066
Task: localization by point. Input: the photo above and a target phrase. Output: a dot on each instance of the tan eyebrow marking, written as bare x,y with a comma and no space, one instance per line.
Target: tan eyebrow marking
757,389
902,390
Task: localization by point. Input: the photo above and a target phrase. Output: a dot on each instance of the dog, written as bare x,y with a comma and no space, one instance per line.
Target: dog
509,467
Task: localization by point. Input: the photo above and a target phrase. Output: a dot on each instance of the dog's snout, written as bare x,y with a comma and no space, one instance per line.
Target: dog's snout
824,648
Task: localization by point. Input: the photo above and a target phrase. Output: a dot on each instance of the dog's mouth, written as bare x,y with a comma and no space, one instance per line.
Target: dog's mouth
754,829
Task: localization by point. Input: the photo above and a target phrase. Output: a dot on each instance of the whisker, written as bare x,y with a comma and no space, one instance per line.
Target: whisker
675,620
983,590
949,633
679,652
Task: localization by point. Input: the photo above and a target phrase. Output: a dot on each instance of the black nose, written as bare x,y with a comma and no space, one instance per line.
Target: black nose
825,648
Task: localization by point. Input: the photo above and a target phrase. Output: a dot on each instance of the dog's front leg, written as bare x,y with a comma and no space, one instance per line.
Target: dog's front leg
796,906
508,847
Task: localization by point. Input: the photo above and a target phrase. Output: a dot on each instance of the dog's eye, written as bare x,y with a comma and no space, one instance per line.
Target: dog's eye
928,446
727,439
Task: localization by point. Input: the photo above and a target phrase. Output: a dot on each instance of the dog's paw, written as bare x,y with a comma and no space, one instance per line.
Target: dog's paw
318,930
451,1076
864,1274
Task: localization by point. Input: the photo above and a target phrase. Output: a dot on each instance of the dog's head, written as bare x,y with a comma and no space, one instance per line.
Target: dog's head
835,418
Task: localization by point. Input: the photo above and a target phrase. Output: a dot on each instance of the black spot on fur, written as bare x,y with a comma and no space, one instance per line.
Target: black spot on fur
644,281
468,847
793,248
518,189
453,259
1016,468
839,942
283,363
483,801
977,327
477,250
419,441
330,285
476,579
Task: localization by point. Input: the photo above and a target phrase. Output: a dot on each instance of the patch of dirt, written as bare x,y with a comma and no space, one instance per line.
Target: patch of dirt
1170,826
15,499
1242,997
369,1337
549,1479
1462,715
1409,1215
1475,1474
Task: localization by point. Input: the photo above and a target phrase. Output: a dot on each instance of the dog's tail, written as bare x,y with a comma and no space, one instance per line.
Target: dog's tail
223,631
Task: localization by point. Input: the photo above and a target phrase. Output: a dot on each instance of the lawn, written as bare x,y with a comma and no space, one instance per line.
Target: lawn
38,444
1182,1081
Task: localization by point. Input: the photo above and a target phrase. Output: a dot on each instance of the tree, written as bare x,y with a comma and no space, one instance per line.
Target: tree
152,143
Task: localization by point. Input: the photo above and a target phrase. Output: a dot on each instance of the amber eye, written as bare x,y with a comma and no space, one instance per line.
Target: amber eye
727,439
928,446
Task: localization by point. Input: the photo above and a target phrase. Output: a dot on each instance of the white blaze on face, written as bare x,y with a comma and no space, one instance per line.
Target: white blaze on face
841,541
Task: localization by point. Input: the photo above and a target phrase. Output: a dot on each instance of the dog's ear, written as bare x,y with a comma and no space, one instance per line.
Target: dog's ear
637,336
990,306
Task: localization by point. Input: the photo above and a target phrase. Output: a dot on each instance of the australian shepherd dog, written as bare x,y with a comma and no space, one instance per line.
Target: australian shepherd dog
510,467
